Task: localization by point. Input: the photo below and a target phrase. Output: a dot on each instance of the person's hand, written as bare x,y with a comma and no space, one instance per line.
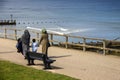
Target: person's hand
38,44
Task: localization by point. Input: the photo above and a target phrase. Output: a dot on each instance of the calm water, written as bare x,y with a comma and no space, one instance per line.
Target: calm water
89,18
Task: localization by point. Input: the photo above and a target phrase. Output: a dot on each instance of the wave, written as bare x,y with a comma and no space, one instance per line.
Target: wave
61,31
76,31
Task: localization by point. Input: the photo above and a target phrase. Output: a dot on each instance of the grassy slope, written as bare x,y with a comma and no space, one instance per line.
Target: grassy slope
11,71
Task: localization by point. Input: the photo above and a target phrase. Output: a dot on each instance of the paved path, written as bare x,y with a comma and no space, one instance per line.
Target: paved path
74,63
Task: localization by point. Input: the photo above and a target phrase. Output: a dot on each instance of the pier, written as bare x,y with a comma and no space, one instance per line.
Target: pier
7,22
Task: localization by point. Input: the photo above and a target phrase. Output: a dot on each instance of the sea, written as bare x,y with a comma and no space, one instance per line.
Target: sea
85,18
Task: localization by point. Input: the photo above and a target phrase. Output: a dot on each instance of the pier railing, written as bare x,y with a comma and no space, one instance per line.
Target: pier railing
67,41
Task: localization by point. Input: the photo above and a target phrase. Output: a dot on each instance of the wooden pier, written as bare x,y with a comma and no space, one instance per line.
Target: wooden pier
7,22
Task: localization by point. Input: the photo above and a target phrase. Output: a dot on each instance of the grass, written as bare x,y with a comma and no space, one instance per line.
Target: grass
11,71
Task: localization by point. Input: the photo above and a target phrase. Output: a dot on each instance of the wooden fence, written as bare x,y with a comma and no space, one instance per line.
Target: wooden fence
85,44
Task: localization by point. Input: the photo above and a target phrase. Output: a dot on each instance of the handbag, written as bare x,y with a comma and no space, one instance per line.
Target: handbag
48,44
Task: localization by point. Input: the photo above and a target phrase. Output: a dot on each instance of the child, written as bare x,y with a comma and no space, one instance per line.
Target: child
34,45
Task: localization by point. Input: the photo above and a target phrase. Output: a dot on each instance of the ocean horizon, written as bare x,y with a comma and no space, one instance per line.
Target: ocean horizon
86,18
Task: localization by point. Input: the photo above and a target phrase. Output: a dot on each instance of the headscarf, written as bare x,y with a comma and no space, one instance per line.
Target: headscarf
44,30
26,37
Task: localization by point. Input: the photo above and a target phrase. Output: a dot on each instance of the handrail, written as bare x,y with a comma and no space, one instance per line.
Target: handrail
100,44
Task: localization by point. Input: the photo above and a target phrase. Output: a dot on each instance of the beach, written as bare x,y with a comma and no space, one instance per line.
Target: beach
74,63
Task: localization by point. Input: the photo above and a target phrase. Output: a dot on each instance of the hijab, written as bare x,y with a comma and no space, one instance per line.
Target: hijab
26,37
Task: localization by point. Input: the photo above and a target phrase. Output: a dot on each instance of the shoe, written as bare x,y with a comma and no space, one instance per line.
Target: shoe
32,64
49,68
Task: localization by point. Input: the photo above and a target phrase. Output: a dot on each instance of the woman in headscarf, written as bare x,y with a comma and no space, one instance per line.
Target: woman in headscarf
25,42
44,41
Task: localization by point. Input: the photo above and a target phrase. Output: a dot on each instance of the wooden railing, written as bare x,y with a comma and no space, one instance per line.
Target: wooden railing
67,41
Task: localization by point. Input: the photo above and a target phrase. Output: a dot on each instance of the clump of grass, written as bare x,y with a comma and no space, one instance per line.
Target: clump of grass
11,71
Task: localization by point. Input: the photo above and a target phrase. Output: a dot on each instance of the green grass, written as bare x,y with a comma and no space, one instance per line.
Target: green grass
11,71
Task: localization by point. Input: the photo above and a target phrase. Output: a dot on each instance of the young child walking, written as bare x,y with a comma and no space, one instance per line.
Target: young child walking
34,45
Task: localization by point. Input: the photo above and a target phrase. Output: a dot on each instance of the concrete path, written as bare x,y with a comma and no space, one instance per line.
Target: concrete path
74,63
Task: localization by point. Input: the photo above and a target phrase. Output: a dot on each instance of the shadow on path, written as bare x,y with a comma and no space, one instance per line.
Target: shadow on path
53,67
59,56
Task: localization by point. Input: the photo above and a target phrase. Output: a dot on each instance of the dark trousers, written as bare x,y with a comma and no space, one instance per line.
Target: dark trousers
46,63
31,61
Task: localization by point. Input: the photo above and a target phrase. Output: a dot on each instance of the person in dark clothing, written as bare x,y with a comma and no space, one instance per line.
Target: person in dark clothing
19,46
25,42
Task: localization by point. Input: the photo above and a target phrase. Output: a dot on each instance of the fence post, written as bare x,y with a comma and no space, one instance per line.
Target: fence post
37,36
51,38
15,34
66,45
104,46
5,33
84,43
